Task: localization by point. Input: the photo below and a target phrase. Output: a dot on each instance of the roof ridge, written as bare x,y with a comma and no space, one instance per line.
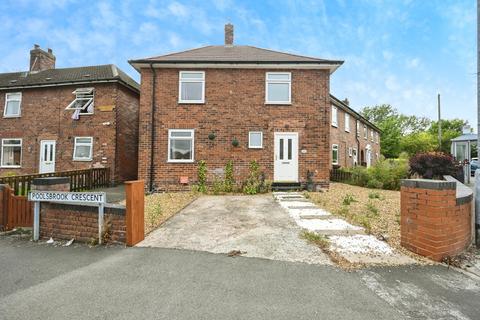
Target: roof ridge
173,53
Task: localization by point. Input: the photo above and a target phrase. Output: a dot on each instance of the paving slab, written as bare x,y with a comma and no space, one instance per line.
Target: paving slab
330,226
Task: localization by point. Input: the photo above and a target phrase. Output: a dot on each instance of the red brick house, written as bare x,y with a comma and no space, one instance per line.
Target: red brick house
234,102
354,140
67,119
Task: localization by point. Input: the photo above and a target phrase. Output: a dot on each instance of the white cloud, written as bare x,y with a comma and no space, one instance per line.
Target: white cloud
412,63
178,10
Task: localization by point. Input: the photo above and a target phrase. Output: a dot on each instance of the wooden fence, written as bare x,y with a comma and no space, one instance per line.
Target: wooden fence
80,180
338,175
16,211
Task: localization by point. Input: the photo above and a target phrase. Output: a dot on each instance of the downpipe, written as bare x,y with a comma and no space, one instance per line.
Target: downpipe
476,227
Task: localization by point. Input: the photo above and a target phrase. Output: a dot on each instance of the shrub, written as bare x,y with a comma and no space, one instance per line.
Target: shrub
229,181
256,182
218,186
202,176
432,165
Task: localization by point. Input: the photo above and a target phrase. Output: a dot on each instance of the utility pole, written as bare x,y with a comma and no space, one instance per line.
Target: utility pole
477,173
440,123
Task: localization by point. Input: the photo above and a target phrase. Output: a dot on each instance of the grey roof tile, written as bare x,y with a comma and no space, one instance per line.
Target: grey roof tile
66,75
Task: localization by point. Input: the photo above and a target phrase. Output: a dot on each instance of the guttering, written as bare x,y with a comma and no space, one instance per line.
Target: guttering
330,65
69,83
152,132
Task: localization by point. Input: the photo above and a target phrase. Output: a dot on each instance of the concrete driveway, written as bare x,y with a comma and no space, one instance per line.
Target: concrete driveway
255,225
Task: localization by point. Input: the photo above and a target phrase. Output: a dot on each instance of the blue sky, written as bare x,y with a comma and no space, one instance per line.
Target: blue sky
400,52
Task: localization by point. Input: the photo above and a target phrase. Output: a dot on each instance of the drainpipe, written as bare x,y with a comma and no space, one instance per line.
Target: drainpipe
358,140
152,146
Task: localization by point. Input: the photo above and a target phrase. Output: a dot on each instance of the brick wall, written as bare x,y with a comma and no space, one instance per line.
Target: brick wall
235,105
346,140
43,117
436,217
67,221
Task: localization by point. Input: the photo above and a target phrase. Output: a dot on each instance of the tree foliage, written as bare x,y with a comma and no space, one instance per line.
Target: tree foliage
410,134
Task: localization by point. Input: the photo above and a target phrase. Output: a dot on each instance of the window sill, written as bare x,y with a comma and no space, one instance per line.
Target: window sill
180,161
285,103
11,167
83,160
255,147
15,116
191,102
334,125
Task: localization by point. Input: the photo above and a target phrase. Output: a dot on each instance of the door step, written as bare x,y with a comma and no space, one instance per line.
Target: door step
286,186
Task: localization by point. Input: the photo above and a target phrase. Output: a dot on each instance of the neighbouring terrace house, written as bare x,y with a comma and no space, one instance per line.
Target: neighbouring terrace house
354,139
68,119
235,102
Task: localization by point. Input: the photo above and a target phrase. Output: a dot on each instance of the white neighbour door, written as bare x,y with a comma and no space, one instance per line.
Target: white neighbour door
47,156
369,156
285,157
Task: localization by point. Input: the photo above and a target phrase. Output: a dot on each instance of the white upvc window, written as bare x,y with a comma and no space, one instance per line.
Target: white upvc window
347,122
83,149
191,87
355,156
334,116
13,101
335,154
358,128
350,151
365,132
278,88
84,102
181,145
255,139
376,137
11,153
371,135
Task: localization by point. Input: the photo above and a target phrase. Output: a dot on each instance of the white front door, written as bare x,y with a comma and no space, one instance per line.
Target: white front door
369,156
285,157
47,156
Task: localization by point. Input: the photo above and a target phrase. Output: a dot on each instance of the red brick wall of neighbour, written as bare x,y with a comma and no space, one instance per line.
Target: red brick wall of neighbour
235,105
43,117
433,224
62,221
346,140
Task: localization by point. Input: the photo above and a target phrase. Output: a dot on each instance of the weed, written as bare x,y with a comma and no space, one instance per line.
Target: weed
202,176
375,195
343,211
154,212
372,209
348,199
315,238
255,181
218,187
229,181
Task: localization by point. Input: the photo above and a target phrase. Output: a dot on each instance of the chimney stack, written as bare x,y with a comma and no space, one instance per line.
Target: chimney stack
41,60
229,34
346,101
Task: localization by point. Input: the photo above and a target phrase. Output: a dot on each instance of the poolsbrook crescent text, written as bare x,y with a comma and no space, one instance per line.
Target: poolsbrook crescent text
67,197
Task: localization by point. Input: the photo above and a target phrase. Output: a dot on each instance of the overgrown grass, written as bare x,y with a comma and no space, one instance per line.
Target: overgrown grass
349,199
316,239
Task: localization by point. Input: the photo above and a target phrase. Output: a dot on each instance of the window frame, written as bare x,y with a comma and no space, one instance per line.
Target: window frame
192,137
250,146
180,81
347,122
90,93
75,144
289,82
365,132
376,137
372,138
334,121
335,148
2,153
350,151
5,115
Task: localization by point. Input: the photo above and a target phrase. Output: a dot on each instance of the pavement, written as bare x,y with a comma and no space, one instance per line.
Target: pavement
39,281
256,226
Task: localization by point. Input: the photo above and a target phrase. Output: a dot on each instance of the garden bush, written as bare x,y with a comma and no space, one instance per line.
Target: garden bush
432,165
255,182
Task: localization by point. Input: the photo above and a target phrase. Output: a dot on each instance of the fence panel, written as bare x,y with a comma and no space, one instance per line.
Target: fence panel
337,175
80,180
19,210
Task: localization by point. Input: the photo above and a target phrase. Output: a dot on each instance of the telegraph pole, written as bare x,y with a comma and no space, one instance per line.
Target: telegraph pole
477,173
440,123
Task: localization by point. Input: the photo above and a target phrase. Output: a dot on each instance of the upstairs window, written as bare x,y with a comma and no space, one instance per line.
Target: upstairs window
334,154
11,153
371,135
192,87
358,128
255,140
376,137
347,122
278,87
180,145
13,100
83,149
365,132
83,103
334,116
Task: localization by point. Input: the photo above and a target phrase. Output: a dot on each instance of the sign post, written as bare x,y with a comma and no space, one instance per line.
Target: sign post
79,198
